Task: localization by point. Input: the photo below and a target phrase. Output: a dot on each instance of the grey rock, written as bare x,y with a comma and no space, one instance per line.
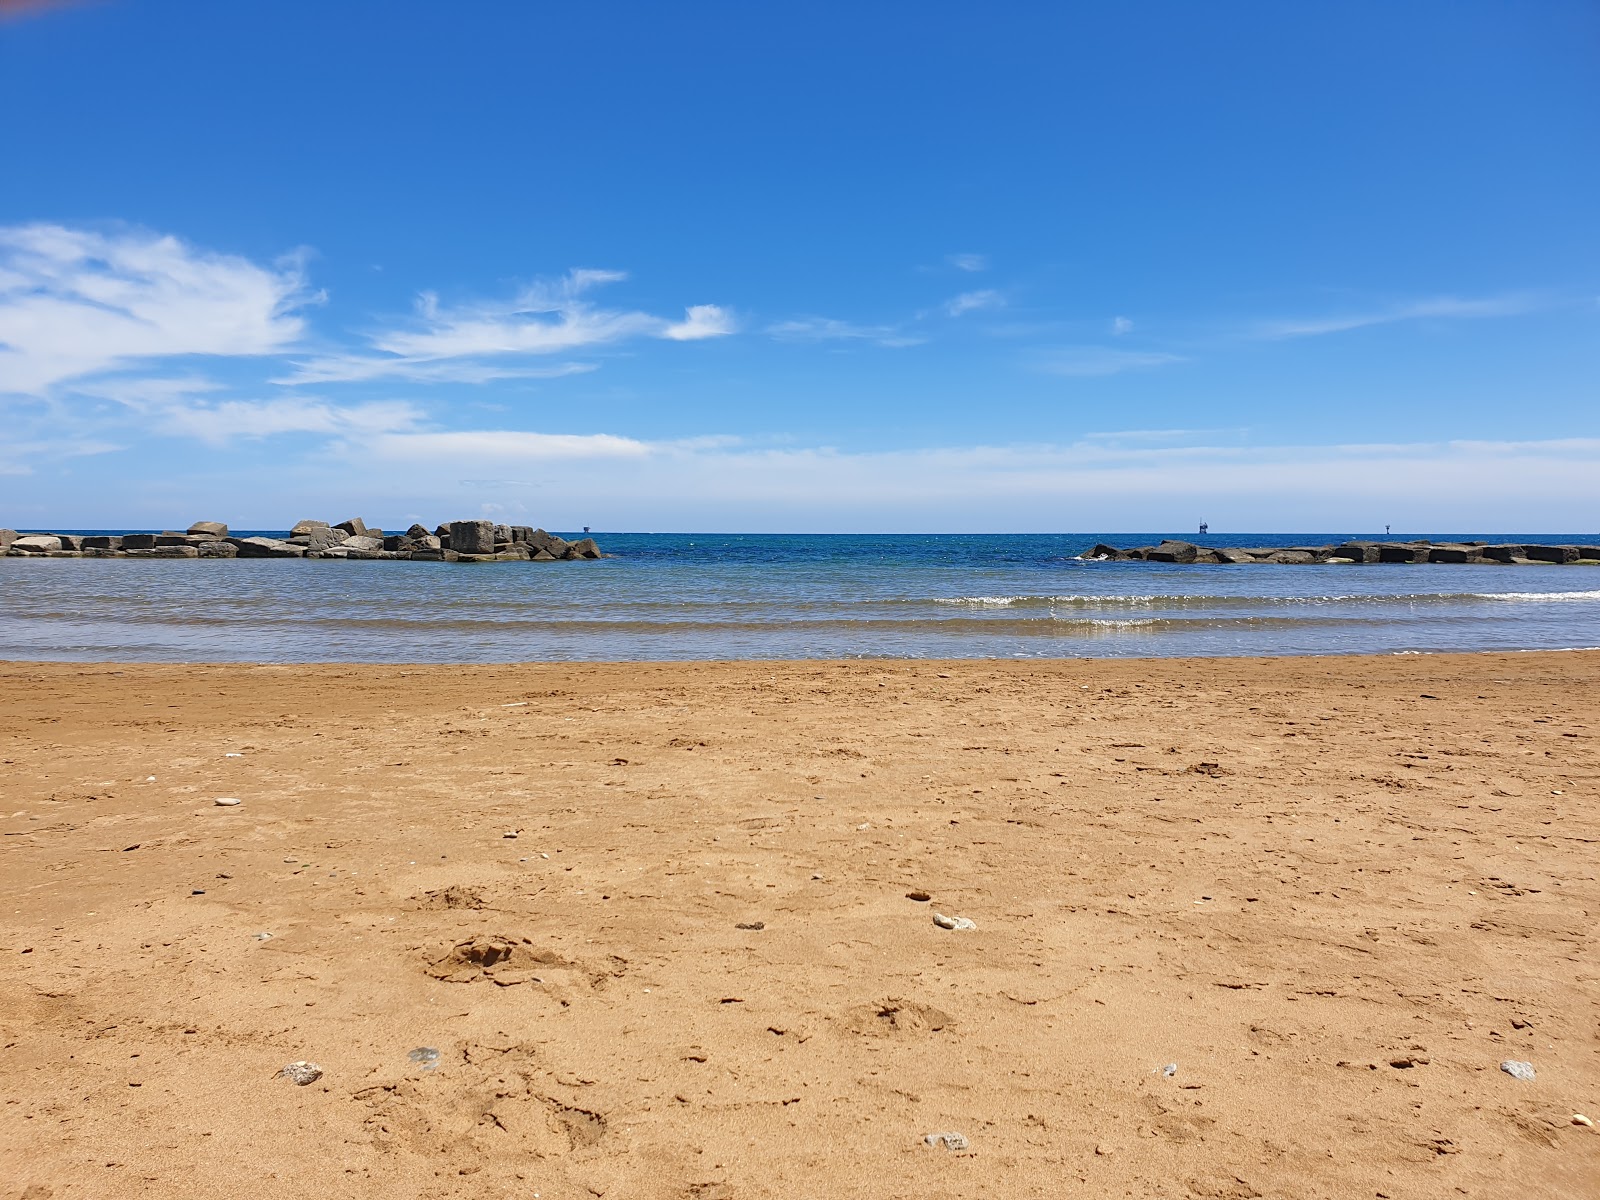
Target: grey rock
1168,1071
7,536
540,540
587,548
215,529
309,527
101,541
37,543
425,1056
355,527
361,541
1229,554
1102,551
1361,552
950,1141
1518,1070
472,537
138,541
217,549
1504,553
944,922
1552,554
302,1072
172,539
71,541
1173,552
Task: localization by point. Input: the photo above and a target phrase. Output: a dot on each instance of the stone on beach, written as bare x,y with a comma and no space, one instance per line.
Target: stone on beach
215,529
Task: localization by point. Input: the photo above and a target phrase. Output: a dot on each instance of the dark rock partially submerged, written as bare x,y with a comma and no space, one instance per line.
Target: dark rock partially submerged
456,541
1351,552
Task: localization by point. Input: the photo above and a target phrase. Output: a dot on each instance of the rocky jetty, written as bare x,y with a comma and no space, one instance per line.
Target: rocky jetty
1486,553
457,541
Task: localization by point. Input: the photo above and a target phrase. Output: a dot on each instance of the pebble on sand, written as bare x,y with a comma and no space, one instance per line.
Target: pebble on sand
302,1072
950,1141
1580,1119
1517,1070
227,801
944,922
1168,1071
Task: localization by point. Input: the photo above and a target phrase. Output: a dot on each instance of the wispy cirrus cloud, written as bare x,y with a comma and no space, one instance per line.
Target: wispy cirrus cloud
190,406
1436,308
968,262
976,301
481,340
828,329
75,303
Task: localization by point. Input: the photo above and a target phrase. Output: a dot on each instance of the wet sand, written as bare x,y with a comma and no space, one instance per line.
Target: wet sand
1335,892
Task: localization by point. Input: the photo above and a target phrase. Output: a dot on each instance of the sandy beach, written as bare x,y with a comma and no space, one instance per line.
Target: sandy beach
647,930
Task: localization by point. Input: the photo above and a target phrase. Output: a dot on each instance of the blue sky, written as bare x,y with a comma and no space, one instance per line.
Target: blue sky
870,266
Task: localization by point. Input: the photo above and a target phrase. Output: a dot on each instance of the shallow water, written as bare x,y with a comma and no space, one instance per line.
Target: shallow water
716,596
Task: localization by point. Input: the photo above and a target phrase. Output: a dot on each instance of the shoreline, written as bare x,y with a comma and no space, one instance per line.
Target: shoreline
656,921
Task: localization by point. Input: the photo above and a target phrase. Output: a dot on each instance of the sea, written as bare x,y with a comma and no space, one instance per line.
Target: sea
791,596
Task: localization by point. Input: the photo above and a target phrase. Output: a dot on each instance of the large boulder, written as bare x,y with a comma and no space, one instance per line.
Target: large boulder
1291,557
7,536
102,541
586,548
1551,554
502,535
1103,552
217,548
355,527
1504,553
265,547
1392,552
36,543
472,537
1361,552
362,542
138,541
1232,554
215,529
170,538
1173,552
309,527
71,541
320,539
540,540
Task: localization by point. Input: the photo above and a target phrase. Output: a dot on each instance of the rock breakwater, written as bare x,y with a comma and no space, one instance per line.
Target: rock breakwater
1353,552
455,541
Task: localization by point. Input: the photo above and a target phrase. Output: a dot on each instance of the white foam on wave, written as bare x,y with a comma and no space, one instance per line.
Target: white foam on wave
1537,596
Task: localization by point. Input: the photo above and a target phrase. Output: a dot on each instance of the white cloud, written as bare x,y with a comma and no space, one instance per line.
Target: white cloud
1442,307
185,407
973,302
1121,325
968,262
625,483
501,446
75,303
701,321
827,329
356,368
450,343
1093,361
227,419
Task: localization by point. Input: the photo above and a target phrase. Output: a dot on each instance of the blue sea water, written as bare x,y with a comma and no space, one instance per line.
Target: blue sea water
728,596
